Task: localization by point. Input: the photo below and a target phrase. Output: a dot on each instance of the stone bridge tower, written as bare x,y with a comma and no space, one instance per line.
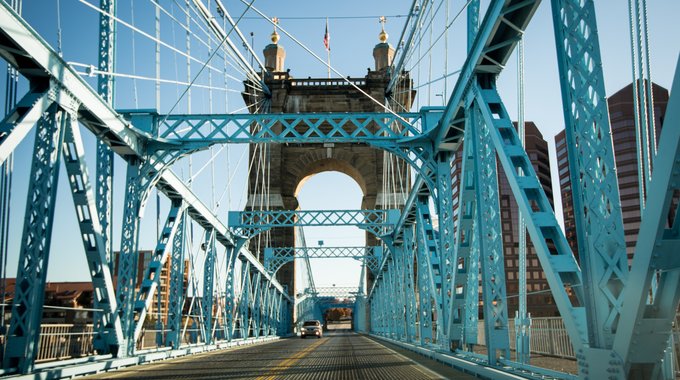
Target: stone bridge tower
290,164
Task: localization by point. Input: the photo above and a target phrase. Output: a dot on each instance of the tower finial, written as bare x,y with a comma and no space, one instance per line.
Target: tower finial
383,35
275,36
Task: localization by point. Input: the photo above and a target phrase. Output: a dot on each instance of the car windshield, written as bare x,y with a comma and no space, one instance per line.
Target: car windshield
311,323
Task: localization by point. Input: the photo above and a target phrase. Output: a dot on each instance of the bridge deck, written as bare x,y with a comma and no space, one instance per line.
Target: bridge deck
338,355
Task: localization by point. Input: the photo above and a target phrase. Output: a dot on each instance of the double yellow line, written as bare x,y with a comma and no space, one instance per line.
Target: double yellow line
275,372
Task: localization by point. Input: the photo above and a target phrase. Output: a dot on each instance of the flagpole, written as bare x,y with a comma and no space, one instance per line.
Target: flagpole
328,50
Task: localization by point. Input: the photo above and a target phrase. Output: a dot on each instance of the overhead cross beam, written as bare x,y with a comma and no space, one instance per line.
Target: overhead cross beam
250,223
337,292
276,257
286,128
404,135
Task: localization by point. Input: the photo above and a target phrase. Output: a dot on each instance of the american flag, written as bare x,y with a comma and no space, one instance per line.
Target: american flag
327,38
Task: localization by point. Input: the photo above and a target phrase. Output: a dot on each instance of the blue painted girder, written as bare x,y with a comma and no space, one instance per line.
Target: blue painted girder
276,257
250,223
285,128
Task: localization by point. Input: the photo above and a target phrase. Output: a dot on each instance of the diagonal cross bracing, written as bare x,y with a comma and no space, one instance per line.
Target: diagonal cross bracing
251,223
322,252
275,257
333,291
596,201
287,128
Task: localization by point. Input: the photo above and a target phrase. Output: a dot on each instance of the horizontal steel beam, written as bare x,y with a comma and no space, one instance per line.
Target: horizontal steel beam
251,223
205,130
332,291
322,252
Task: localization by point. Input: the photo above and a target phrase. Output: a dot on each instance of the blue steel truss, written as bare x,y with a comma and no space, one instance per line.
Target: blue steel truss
57,110
250,223
275,258
597,209
400,134
342,292
373,128
24,328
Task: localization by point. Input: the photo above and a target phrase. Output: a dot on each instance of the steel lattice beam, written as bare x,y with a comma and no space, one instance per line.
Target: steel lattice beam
597,208
34,59
286,128
251,223
276,257
338,292
644,328
24,329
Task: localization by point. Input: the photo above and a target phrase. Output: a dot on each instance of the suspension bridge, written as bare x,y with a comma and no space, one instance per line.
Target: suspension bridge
145,126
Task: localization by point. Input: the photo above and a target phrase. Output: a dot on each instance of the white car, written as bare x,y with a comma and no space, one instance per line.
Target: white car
311,328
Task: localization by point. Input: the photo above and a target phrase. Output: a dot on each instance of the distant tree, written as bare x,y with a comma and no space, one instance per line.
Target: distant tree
334,314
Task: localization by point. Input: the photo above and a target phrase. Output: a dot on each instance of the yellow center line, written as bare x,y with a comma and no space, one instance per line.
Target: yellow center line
276,370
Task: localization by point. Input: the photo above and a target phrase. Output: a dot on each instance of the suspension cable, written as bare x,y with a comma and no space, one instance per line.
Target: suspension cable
59,50
442,34
226,36
303,46
150,37
91,71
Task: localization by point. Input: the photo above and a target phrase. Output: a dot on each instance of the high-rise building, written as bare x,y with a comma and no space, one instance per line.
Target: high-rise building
622,118
539,300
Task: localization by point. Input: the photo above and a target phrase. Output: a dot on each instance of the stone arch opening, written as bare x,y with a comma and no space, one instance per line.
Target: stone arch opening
330,165
345,192
360,165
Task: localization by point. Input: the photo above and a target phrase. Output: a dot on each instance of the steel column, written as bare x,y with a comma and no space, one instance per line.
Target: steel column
229,304
209,248
105,89
492,263
597,208
27,306
128,257
464,309
446,248
177,292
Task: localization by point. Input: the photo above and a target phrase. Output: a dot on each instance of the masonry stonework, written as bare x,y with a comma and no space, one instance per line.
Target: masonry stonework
289,165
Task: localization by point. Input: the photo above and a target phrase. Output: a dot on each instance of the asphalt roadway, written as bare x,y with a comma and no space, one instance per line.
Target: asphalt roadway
340,354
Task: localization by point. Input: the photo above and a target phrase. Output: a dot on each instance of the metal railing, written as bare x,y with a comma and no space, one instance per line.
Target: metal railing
64,341
549,337
327,82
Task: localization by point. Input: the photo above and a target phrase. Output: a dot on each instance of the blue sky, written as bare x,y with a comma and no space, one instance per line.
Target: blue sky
353,28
